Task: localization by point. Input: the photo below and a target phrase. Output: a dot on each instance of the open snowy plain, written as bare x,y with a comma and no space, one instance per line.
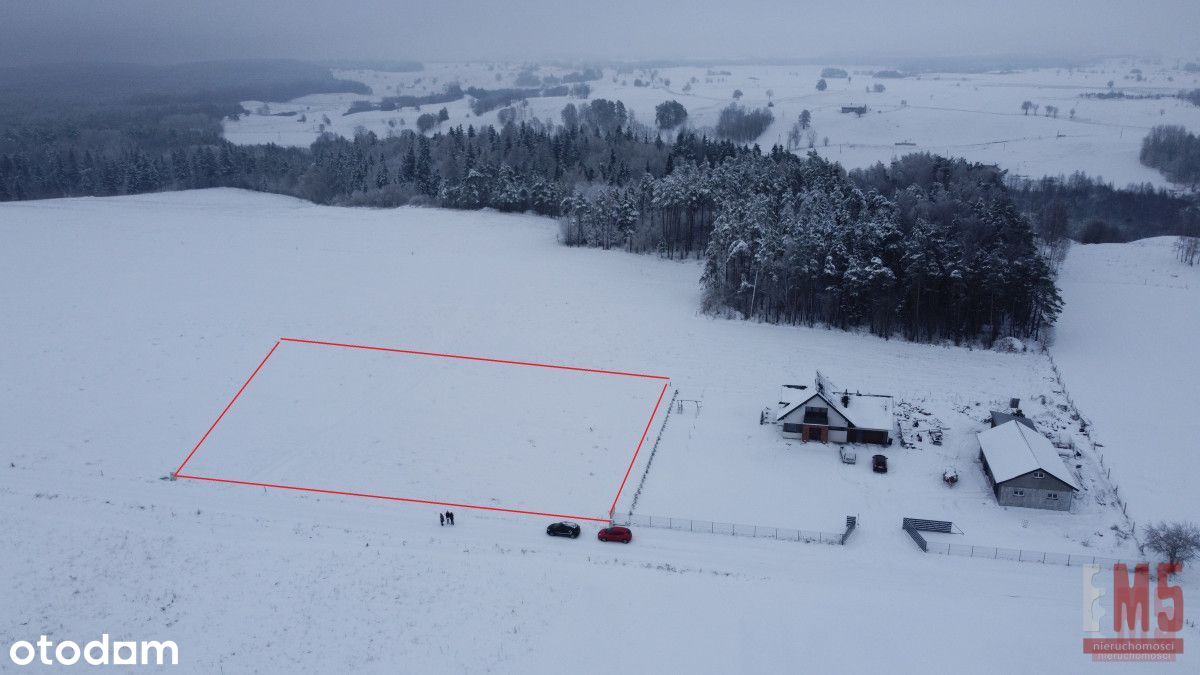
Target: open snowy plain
1136,309
128,323
977,116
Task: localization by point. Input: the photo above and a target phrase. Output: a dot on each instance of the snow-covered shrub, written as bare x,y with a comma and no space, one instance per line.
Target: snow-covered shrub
1009,345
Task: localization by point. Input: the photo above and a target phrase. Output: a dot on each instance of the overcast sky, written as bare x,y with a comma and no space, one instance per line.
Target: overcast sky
34,31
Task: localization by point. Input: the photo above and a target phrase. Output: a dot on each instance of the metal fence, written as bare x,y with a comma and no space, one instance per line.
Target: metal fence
733,529
916,536
1022,555
653,451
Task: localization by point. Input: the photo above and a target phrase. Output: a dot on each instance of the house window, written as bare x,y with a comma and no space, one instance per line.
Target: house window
789,428
816,415
1018,493
1039,474
1053,496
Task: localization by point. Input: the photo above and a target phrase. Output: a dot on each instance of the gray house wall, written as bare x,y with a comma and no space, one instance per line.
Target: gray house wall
1036,491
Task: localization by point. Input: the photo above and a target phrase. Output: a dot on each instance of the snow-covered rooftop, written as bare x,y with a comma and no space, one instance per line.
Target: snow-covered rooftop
866,412
863,411
1012,450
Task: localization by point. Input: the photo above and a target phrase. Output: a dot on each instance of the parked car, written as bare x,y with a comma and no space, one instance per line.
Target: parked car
615,533
879,464
563,529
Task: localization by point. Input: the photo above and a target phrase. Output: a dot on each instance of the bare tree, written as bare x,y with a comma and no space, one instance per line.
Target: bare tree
1188,249
1188,244
1177,542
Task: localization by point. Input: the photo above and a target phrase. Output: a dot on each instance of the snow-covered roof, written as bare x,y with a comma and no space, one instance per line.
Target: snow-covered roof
999,418
864,412
867,412
1012,450
789,393
789,408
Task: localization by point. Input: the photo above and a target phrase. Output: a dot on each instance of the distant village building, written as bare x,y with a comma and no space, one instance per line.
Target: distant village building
1024,469
856,109
820,414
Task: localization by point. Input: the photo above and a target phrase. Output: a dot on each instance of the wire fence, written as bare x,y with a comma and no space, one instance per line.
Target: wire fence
733,529
1088,432
653,451
1022,555
914,527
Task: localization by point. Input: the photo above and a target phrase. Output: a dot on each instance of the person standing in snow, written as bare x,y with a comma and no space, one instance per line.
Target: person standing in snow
450,517
441,519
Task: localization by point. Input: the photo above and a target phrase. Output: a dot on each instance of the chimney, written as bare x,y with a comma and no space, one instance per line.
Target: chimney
1014,403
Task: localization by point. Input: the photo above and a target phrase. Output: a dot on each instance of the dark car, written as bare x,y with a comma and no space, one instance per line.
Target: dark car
879,464
615,533
563,529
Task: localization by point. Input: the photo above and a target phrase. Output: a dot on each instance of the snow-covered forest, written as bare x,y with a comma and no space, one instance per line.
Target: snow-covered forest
932,249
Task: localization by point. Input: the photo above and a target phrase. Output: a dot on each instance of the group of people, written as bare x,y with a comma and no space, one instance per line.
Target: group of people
446,518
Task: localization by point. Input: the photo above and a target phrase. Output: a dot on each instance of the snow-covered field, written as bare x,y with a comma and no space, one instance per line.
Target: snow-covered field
1136,309
977,116
433,428
129,322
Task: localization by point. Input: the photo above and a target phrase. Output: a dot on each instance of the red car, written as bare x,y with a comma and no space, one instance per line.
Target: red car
615,533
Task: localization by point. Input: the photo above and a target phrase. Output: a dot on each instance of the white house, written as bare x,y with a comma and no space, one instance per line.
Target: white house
813,414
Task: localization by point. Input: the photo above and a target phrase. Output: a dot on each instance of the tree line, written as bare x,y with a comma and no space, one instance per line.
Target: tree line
926,248
1175,152
1092,211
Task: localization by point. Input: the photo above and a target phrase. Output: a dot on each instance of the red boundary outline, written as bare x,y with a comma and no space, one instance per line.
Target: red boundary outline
178,473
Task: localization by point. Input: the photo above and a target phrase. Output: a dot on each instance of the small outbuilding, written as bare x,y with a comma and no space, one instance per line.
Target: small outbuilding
829,417
1024,469
999,418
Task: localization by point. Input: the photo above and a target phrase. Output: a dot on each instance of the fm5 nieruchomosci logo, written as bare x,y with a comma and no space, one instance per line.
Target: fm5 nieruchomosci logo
1144,625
